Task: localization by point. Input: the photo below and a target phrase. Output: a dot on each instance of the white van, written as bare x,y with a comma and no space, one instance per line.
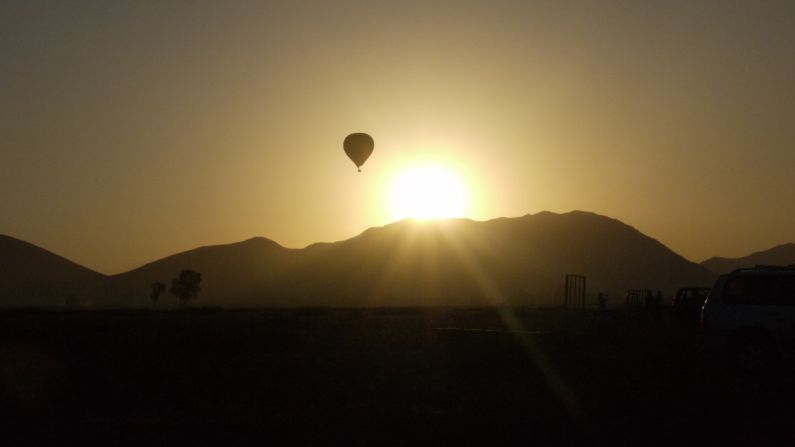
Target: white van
751,312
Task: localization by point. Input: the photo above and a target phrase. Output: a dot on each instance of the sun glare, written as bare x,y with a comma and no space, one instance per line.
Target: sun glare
428,192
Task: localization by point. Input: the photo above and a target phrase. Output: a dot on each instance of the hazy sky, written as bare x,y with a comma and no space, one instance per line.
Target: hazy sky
133,130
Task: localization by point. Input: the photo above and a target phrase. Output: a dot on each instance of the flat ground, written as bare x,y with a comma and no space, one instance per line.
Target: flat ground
390,376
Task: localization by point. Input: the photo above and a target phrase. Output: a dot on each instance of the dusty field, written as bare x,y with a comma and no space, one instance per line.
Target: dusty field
377,377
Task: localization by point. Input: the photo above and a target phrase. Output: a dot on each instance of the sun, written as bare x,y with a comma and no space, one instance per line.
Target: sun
428,192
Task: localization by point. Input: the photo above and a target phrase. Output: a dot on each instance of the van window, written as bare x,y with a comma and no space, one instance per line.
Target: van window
767,290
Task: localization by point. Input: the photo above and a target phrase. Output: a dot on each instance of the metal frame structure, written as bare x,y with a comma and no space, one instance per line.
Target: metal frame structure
574,292
637,297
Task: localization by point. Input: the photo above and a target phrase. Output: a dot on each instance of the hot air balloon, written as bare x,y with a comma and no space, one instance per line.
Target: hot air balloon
358,147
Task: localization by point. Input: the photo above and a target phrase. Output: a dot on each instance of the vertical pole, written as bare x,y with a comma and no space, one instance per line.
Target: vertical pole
573,291
566,293
584,291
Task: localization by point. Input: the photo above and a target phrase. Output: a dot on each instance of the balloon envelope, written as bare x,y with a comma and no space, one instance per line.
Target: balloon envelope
358,147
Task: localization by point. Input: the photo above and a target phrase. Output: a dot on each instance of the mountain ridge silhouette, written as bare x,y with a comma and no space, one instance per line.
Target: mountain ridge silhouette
783,254
451,262
33,276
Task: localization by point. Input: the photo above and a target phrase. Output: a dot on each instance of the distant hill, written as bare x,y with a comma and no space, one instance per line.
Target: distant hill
520,260
456,262
780,255
235,272
32,276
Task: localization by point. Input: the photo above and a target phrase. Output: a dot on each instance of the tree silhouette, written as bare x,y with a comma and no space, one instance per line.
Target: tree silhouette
186,286
157,289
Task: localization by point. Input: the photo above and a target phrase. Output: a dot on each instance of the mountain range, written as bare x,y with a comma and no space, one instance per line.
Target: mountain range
783,254
455,262
32,276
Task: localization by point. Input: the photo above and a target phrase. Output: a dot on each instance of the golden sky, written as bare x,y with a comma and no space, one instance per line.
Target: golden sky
133,130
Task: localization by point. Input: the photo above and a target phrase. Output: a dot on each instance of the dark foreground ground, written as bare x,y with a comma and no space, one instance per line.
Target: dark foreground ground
377,377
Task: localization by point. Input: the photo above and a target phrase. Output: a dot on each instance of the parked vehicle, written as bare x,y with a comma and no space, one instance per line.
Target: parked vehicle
751,313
